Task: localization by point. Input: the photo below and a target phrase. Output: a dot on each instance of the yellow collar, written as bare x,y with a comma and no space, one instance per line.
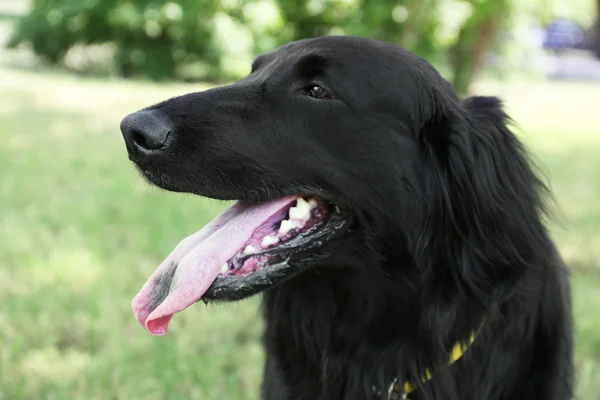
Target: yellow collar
395,391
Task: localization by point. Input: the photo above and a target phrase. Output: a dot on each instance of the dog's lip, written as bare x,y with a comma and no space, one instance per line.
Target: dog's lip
344,208
288,263
259,195
323,195
255,195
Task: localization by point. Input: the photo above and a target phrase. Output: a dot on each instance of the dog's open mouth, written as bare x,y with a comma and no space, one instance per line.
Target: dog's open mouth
241,252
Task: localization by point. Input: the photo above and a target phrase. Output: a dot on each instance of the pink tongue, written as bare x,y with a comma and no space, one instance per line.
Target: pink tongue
197,261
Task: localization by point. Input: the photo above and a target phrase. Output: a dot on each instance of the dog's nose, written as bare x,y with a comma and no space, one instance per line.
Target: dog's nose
145,130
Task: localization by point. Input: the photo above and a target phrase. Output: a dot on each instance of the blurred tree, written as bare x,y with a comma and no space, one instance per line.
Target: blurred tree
215,39
411,23
475,38
150,37
160,38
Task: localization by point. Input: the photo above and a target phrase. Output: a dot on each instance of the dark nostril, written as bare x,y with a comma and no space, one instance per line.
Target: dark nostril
140,140
146,130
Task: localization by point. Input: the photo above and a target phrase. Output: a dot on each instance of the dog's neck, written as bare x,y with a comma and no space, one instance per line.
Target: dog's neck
315,318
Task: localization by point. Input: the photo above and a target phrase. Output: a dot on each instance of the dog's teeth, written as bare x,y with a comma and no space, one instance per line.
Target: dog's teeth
302,205
268,241
301,214
250,250
286,226
224,268
295,213
313,202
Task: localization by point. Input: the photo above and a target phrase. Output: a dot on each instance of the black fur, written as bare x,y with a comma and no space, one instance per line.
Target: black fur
448,228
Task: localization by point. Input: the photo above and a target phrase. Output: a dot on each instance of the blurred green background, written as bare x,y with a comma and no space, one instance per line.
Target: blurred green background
80,231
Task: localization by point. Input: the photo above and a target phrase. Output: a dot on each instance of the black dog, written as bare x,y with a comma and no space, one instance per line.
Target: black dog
396,231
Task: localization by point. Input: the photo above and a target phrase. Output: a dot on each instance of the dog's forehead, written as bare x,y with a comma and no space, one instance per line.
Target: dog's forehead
345,52
333,47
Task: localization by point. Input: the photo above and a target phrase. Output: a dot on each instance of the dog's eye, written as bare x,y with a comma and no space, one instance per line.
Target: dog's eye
318,92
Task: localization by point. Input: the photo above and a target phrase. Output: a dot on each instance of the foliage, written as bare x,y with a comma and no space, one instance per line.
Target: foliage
216,39
475,39
167,38
151,37
410,23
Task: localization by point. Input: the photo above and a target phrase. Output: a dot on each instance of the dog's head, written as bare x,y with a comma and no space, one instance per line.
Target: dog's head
347,155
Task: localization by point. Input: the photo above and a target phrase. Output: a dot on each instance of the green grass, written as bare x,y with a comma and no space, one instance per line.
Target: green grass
80,232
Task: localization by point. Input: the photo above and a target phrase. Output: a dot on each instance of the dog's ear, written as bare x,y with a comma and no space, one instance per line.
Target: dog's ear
484,202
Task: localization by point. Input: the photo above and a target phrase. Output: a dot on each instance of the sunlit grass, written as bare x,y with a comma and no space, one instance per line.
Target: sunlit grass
80,232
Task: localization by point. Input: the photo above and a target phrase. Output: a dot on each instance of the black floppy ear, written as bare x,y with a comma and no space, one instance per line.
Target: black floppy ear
484,212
